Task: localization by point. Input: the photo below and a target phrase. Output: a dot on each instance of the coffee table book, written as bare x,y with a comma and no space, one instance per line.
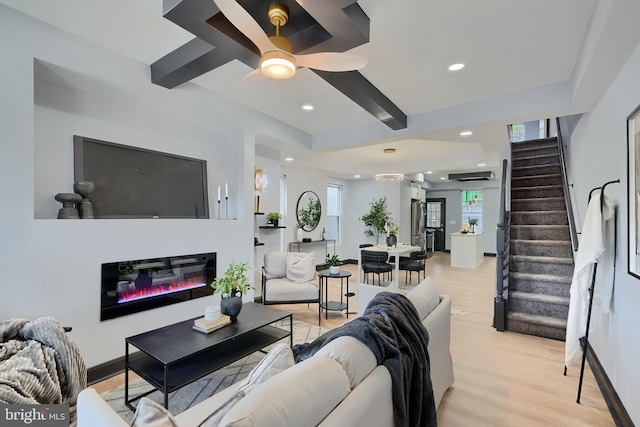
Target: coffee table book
203,326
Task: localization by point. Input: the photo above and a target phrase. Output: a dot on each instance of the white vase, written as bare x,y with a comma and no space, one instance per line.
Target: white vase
300,234
334,269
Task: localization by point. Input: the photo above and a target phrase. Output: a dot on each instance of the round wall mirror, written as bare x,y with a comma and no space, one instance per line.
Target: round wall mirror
308,211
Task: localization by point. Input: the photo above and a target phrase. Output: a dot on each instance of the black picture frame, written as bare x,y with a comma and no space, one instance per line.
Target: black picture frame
633,192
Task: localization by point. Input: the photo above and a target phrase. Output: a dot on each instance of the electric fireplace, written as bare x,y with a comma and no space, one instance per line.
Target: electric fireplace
138,285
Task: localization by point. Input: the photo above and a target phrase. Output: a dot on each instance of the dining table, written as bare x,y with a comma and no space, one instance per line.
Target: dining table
397,251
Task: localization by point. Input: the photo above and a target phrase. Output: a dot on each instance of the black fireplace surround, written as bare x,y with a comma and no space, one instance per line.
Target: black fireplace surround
139,285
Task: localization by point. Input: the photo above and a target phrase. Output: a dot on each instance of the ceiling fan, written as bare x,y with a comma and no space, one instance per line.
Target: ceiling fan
277,61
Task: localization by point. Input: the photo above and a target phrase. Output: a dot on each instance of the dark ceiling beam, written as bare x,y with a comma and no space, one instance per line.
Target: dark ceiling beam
365,94
321,26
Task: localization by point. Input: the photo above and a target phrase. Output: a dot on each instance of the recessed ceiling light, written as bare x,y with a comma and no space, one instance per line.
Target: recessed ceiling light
356,176
481,164
466,133
288,159
456,66
307,107
442,178
389,150
429,172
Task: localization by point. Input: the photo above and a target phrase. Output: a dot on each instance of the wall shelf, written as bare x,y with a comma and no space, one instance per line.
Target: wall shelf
258,213
271,226
258,244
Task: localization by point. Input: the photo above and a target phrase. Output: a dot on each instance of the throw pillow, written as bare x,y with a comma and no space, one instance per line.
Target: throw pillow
276,360
301,267
425,297
149,413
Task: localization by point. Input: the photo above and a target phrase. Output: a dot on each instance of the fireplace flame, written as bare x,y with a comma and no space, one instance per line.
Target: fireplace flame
159,289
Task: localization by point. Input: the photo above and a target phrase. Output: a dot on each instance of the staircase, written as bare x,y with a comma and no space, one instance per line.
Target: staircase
541,257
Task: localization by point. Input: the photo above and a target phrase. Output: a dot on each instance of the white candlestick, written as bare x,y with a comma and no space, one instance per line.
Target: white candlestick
218,193
226,190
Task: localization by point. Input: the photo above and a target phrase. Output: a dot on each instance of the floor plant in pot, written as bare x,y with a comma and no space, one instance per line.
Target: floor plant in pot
377,218
334,264
231,286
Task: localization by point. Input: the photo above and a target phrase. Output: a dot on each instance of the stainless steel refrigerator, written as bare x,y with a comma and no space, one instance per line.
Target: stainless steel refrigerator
418,231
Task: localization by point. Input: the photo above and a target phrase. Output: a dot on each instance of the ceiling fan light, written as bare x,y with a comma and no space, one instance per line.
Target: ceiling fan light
278,65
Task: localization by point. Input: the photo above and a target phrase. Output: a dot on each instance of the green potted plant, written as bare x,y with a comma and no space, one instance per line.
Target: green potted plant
472,223
377,218
392,233
273,218
231,286
334,263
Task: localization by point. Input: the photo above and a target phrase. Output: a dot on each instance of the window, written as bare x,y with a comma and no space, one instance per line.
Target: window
334,209
472,208
434,214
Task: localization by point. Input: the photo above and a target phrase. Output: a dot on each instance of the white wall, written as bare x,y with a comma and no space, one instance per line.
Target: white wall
299,181
52,267
270,202
598,153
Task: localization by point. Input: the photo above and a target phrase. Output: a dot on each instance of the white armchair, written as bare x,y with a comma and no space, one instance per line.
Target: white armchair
290,278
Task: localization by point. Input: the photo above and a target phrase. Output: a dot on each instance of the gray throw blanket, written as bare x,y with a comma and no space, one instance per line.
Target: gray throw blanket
391,328
39,363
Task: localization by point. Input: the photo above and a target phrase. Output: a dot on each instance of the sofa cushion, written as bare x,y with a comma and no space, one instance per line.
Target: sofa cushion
301,267
277,360
286,290
355,357
301,395
425,297
275,264
152,414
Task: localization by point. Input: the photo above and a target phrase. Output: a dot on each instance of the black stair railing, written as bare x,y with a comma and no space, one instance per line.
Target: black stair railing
503,237
565,188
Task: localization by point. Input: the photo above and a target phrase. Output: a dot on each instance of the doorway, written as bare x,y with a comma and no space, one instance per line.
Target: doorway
435,222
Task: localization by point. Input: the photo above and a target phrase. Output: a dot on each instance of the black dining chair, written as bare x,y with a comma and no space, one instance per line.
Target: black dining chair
375,262
417,262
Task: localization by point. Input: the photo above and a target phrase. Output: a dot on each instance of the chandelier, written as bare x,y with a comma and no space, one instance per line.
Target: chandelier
389,177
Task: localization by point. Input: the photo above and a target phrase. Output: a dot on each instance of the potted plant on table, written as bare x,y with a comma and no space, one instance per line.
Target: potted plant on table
231,286
472,223
392,233
334,264
377,218
273,218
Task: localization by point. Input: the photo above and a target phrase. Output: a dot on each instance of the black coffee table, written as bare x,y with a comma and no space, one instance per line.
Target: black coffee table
175,355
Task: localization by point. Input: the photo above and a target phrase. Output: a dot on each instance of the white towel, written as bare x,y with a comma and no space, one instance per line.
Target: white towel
597,244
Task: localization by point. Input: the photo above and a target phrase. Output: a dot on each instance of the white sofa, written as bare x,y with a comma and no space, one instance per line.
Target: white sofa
340,385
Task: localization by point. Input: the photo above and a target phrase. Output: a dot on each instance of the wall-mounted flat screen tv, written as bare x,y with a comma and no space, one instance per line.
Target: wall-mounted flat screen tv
132,182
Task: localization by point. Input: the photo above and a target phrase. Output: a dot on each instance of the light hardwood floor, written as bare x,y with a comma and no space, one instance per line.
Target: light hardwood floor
501,378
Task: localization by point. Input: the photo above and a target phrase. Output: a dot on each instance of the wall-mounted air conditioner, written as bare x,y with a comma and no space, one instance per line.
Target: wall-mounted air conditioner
472,176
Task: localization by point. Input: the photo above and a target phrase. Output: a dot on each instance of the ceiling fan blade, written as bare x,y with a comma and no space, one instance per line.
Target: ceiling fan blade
331,61
254,76
245,23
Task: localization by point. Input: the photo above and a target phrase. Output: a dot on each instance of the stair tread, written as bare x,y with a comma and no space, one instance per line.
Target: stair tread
543,242
547,175
537,212
539,199
541,277
537,319
537,187
550,259
529,296
539,156
535,166
540,226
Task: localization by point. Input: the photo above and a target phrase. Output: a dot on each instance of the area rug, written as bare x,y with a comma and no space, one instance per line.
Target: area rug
194,393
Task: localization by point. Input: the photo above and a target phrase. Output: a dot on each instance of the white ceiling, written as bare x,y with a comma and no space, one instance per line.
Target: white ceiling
525,60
